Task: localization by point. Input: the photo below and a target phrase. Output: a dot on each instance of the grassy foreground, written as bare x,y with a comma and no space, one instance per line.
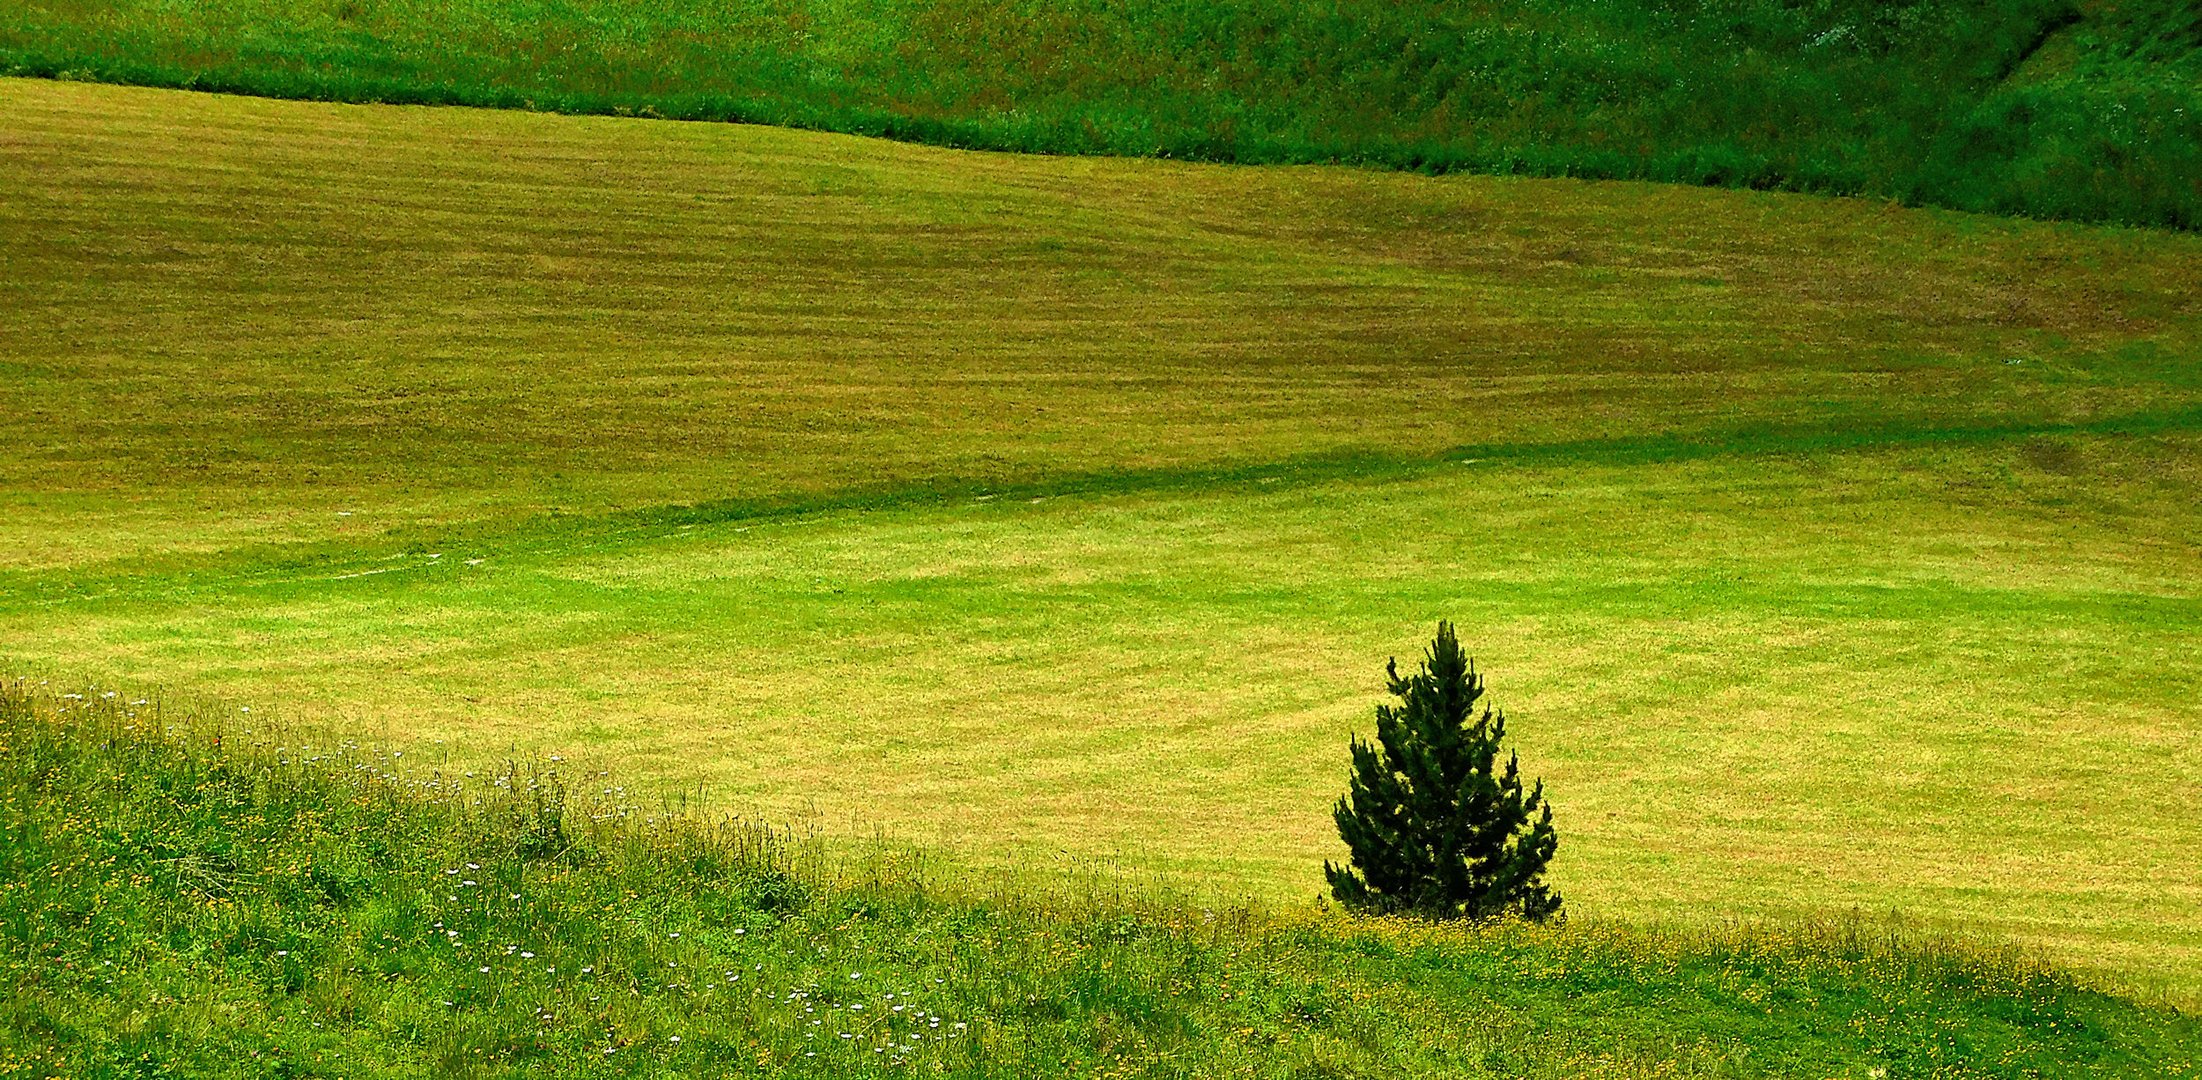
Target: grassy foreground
1828,555
178,902
2049,108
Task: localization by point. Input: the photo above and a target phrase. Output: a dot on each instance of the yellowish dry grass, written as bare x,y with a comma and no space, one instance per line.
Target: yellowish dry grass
227,320
1938,682
1828,555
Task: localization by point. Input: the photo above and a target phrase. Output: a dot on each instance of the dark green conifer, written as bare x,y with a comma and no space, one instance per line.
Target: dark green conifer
1434,828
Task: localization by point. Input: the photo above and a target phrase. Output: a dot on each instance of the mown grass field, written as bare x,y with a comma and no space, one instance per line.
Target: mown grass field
1827,555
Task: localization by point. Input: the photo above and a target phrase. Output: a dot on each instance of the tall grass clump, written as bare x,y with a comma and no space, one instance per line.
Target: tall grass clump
184,897
2048,108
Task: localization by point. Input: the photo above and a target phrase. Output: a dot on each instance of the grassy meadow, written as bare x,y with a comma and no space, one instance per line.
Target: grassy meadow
187,897
235,322
1828,556
2074,109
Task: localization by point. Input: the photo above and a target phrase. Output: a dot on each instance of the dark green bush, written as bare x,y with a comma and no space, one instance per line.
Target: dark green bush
1434,826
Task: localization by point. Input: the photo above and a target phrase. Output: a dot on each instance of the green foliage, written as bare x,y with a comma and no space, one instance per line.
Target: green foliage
176,900
2017,106
1434,828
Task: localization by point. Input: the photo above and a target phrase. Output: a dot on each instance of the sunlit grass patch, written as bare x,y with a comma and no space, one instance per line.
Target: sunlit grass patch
222,897
1005,680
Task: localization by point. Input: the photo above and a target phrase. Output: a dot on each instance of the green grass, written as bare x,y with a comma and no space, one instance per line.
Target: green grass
2048,108
184,897
1939,681
1828,556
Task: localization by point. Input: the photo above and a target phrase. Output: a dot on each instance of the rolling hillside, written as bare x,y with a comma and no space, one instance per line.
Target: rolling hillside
1828,555
185,896
2046,108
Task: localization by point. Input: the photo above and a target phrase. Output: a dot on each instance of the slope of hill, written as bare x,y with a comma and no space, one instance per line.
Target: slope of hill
1027,506
2039,107
244,317
177,903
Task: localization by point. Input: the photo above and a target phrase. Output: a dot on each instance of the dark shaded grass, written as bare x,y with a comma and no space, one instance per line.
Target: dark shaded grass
185,898
281,562
2047,108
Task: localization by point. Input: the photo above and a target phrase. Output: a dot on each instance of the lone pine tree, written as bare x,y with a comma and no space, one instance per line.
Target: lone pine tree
1434,828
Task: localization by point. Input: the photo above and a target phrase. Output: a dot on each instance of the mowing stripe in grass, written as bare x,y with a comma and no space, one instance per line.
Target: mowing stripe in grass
179,577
